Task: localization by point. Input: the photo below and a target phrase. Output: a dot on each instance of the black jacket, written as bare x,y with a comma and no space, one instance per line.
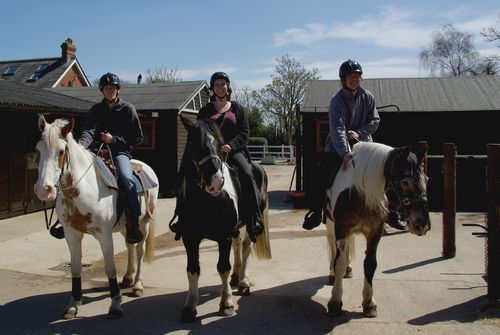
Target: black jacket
235,137
122,122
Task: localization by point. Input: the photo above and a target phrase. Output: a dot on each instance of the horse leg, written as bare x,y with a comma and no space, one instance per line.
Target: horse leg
74,241
235,276
341,263
115,310
188,313
128,278
330,236
370,264
224,268
138,288
244,285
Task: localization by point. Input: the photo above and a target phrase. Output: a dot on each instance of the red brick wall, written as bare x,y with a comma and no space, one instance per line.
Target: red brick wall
73,78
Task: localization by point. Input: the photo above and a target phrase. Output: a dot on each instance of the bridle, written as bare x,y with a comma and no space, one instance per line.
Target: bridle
208,158
399,200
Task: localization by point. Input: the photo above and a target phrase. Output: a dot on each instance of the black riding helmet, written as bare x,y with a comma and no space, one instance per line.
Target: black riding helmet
219,75
350,66
109,79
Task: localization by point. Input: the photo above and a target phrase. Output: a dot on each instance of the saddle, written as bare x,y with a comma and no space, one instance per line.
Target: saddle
109,174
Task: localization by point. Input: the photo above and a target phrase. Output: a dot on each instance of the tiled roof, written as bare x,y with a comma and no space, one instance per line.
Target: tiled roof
15,95
161,96
477,93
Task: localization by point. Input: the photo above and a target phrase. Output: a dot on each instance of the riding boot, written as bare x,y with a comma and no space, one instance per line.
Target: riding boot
254,228
312,219
57,230
134,234
394,221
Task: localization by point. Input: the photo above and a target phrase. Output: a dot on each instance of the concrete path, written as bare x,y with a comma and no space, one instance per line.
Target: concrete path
417,290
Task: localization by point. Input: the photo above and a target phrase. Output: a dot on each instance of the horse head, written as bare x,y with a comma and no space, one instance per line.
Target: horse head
52,156
406,188
205,152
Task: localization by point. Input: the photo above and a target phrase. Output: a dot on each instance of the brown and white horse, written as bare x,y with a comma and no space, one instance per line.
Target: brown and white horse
86,205
378,179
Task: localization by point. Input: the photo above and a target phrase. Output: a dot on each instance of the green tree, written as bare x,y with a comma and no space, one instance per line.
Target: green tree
279,99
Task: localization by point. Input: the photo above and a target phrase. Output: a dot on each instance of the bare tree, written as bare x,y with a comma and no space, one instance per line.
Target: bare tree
492,33
452,52
286,90
162,74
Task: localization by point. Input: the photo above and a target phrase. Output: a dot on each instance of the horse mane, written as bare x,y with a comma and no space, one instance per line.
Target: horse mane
52,134
208,127
369,160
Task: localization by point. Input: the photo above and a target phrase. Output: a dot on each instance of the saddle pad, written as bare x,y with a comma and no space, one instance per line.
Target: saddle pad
107,176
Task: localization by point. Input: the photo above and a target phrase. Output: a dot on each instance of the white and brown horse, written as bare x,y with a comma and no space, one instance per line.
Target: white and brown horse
378,179
86,205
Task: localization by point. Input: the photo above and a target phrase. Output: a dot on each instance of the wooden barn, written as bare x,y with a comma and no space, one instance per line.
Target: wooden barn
20,106
460,110
158,106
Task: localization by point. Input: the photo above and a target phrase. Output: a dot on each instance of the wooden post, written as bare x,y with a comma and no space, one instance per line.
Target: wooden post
298,151
450,199
493,180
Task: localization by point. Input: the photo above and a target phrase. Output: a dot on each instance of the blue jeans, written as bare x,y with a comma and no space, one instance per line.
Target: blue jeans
125,180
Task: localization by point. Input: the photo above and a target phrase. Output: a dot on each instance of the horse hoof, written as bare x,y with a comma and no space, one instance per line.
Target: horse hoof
70,313
115,314
226,311
137,293
234,280
243,291
334,308
370,311
348,272
126,283
188,315
331,280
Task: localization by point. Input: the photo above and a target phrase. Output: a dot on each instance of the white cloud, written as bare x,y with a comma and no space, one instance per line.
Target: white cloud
394,28
205,73
477,25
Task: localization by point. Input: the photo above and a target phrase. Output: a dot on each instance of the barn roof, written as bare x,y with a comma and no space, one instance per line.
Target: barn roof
477,93
14,95
160,96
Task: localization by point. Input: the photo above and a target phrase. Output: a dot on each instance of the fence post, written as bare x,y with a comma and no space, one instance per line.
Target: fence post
493,251
450,199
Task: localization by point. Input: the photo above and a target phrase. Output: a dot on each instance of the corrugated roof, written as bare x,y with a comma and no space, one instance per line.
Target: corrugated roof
161,96
18,95
478,93
48,77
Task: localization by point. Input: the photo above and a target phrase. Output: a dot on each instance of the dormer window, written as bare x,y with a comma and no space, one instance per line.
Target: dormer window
38,72
11,70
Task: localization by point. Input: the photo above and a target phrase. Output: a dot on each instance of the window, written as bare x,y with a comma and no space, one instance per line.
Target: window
11,70
322,130
38,72
149,132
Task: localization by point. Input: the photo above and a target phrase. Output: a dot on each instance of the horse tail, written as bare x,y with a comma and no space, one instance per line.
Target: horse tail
150,240
262,248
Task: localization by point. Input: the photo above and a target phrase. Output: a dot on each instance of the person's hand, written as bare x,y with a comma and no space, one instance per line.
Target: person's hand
106,137
226,148
352,135
345,161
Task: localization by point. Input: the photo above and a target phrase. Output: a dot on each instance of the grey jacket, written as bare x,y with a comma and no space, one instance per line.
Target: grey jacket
347,112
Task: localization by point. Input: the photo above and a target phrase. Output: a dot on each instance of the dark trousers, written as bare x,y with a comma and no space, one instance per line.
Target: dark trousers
324,174
248,185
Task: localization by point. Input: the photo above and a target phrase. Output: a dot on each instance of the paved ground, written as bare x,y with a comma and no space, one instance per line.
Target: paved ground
417,290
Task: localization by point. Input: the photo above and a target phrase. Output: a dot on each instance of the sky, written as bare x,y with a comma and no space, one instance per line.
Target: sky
242,38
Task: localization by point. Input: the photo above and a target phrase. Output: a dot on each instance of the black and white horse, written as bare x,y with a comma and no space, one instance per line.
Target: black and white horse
378,179
209,209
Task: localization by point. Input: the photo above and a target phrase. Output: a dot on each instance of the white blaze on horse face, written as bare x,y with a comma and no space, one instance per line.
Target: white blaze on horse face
48,170
216,184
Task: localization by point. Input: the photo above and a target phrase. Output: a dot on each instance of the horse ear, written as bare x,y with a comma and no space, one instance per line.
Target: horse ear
420,150
188,124
41,123
68,128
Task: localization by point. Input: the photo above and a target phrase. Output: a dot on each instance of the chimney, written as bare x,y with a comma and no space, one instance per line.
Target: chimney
68,50
139,78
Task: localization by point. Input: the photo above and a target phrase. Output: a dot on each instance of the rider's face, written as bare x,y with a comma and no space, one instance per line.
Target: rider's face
352,81
220,87
110,92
